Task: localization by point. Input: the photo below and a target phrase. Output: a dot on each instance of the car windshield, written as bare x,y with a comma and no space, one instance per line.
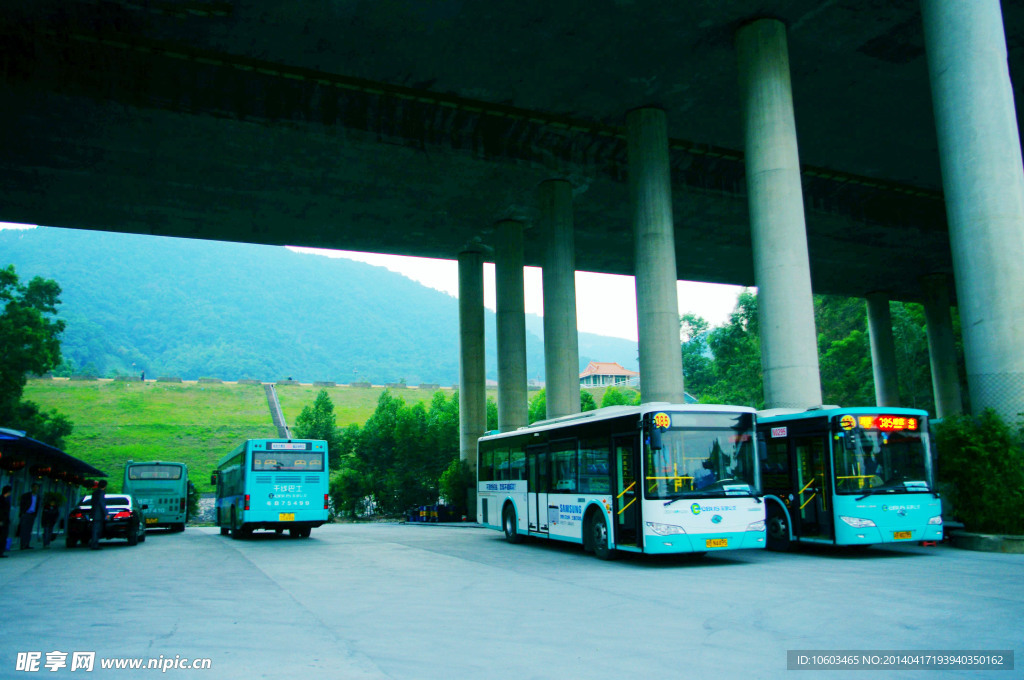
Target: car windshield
873,461
706,454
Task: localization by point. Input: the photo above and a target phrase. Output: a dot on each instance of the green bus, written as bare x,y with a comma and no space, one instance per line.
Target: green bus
274,484
161,489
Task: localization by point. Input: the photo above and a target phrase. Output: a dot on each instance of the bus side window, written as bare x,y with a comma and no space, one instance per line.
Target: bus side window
775,466
486,473
501,465
563,467
517,464
594,472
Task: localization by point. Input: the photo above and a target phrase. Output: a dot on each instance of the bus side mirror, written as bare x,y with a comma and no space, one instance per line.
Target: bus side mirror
656,444
213,478
762,447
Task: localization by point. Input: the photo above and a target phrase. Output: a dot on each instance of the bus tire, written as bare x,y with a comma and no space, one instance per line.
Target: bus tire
598,531
224,531
777,530
304,532
178,527
70,541
236,531
508,523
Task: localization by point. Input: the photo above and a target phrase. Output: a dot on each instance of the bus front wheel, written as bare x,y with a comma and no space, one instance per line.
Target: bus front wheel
508,522
599,537
777,529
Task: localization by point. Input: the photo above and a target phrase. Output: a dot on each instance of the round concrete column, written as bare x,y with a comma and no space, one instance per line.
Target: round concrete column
983,181
654,263
789,352
561,341
883,351
472,378
941,346
508,273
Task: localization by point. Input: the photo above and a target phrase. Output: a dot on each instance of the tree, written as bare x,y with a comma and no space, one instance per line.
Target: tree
30,339
613,396
538,409
698,363
317,422
587,402
736,348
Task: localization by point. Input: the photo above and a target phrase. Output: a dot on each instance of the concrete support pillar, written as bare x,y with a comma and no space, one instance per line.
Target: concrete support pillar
657,305
983,181
513,409
789,353
561,342
472,377
883,351
941,346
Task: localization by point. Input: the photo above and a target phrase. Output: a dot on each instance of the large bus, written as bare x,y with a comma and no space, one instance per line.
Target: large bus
848,476
272,484
655,478
161,489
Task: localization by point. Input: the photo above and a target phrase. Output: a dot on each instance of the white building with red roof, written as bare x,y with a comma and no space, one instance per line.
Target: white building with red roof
604,373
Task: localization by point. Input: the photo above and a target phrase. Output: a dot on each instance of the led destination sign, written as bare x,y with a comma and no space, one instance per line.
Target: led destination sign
881,422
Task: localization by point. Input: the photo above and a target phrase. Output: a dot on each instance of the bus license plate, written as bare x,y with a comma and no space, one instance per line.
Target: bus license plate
151,520
902,535
716,543
286,517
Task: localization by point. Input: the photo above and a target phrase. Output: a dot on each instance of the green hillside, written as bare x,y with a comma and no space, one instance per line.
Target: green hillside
204,309
195,423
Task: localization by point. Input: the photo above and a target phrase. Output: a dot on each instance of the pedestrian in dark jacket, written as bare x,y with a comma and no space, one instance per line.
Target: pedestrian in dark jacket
51,513
5,518
99,513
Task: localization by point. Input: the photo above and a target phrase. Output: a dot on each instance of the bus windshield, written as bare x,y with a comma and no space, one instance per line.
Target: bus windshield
708,454
155,472
873,461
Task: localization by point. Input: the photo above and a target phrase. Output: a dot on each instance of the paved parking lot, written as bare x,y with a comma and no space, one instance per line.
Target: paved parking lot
424,601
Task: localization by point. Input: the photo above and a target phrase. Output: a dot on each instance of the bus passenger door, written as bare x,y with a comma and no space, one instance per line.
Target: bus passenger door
815,487
627,491
537,498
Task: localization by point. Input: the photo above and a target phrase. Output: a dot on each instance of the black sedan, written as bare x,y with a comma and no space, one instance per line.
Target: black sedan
125,519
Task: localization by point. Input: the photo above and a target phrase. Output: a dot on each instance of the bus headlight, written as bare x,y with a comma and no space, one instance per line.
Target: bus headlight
935,520
665,529
857,522
756,526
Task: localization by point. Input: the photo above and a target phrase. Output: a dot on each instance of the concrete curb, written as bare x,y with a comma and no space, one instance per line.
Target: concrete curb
988,542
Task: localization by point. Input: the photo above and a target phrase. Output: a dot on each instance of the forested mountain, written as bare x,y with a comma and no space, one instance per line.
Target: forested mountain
188,308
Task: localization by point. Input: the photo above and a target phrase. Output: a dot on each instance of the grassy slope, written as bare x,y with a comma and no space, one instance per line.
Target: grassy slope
194,423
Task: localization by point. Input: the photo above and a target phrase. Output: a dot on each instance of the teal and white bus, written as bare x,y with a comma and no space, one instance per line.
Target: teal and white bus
848,476
273,484
655,478
161,489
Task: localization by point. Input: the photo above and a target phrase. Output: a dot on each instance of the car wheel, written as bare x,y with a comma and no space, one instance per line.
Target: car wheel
70,541
133,535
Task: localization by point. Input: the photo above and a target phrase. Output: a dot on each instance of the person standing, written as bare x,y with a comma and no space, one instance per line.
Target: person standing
5,518
51,513
99,513
27,511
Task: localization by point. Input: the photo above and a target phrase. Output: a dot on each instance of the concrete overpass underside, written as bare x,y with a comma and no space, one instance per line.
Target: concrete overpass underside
412,128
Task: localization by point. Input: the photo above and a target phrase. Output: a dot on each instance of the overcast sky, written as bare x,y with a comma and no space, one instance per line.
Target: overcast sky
605,304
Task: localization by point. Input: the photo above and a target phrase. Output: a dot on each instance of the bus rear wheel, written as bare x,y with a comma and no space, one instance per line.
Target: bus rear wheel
598,530
236,531
508,523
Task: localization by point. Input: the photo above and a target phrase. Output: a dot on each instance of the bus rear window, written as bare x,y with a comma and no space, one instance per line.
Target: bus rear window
154,472
288,461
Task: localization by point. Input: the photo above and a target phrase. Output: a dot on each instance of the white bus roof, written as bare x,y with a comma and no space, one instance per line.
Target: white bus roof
618,411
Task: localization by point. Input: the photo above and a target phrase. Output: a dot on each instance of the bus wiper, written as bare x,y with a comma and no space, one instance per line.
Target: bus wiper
872,492
690,494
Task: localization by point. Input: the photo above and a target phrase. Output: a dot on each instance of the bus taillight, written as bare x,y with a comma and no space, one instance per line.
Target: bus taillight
325,501
181,505
246,501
